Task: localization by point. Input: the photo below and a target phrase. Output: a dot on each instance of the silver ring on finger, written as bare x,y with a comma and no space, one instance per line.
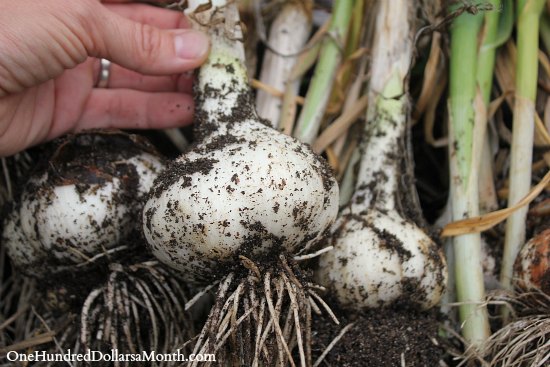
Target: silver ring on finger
104,73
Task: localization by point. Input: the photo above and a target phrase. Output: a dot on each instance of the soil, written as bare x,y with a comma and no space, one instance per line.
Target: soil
179,169
66,291
379,338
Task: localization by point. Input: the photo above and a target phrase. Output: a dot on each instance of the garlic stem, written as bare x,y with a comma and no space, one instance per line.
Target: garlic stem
464,166
523,130
320,88
349,178
383,146
545,30
485,72
381,257
224,73
288,35
177,138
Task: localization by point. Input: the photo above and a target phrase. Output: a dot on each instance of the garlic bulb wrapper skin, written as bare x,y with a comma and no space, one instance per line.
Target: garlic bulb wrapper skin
84,202
379,259
532,265
251,191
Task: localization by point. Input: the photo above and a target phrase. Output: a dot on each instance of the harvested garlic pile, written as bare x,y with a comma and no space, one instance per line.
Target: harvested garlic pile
83,202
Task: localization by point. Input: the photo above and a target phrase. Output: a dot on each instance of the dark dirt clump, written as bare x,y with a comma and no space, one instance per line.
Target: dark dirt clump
379,338
176,170
65,291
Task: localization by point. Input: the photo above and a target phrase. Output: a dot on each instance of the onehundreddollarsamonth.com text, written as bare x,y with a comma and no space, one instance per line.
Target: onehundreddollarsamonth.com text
112,356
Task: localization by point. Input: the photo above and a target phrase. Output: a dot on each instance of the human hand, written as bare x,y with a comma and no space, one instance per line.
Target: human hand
49,65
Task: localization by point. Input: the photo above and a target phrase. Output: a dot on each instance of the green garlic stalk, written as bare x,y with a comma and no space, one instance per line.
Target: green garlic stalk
320,88
529,12
466,130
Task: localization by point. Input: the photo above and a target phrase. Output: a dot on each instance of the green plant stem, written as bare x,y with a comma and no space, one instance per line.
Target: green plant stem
464,180
350,89
529,12
485,70
320,88
486,57
545,31
288,107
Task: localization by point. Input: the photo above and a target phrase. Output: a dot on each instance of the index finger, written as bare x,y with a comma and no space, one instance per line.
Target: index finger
147,14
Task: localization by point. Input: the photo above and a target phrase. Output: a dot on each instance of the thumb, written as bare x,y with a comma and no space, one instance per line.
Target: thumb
145,48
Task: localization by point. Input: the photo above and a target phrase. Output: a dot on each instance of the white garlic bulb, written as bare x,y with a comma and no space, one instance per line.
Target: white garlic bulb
251,191
244,189
380,256
85,201
532,265
379,259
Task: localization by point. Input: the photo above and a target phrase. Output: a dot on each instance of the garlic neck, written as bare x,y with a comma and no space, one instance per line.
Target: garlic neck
383,145
382,151
221,90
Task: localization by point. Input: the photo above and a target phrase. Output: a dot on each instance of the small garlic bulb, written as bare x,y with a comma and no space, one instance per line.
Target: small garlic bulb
83,202
532,266
381,258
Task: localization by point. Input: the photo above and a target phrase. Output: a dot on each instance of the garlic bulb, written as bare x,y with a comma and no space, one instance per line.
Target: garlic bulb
254,193
82,203
532,265
245,189
381,257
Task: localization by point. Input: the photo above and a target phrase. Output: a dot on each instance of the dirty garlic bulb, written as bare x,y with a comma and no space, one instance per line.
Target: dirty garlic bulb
81,203
245,189
380,257
532,266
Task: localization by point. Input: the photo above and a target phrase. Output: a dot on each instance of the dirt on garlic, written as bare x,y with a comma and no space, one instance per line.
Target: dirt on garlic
81,202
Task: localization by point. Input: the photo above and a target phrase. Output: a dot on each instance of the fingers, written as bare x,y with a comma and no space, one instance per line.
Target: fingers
145,48
46,46
156,17
122,78
40,40
129,109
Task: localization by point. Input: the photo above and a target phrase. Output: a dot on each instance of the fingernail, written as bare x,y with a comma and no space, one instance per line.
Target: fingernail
191,44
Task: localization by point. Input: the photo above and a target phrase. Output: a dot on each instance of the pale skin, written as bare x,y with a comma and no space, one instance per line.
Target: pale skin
49,66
